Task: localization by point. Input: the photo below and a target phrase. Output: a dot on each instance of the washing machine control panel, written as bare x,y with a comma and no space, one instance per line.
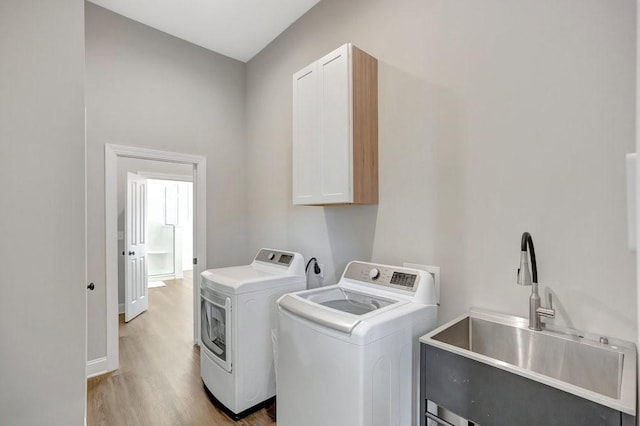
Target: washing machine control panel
275,257
388,276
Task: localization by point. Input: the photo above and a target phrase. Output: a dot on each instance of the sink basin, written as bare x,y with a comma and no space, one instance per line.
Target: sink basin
565,359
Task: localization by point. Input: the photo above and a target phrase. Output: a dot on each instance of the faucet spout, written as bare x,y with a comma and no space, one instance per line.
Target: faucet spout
527,242
536,311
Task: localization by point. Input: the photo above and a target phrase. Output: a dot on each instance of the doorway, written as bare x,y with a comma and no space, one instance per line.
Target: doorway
170,229
165,219
114,154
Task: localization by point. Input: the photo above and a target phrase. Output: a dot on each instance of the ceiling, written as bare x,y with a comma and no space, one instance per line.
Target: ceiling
235,28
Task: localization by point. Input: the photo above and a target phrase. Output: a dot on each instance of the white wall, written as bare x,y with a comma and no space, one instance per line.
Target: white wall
42,221
145,88
637,210
496,117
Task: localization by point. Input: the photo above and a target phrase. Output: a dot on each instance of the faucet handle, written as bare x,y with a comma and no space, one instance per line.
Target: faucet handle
547,312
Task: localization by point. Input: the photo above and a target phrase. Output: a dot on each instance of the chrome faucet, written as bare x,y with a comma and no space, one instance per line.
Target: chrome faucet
527,278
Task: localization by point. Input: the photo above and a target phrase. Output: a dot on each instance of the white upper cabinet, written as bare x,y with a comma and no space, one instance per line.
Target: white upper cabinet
335,129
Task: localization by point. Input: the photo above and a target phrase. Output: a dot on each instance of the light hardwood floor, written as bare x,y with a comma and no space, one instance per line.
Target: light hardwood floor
158,382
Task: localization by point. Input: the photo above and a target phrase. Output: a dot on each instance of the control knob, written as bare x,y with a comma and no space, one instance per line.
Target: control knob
374,273
271,256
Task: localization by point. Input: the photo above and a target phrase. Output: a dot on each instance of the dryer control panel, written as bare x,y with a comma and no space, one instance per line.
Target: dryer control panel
275,257
389,276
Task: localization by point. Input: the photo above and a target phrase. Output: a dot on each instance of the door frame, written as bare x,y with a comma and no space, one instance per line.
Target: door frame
111,154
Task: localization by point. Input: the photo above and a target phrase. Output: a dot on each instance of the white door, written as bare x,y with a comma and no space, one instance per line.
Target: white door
135,234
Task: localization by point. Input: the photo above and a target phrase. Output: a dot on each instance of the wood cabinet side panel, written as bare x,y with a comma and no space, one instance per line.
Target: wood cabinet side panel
365,127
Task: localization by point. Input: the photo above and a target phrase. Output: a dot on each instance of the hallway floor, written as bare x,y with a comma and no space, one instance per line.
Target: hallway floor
158,382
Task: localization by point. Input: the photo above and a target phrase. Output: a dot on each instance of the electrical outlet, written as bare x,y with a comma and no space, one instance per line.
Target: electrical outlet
321,274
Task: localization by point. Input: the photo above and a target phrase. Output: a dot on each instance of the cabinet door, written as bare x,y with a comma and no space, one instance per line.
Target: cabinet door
334,76
306,136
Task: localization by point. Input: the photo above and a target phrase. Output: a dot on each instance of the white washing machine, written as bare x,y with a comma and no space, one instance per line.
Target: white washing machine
238,310
348,354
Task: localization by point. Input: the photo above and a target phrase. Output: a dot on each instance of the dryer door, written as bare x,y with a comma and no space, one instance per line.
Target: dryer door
215,327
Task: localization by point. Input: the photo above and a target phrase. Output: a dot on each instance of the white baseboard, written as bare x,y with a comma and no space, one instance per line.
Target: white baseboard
121,308
96,367
161,277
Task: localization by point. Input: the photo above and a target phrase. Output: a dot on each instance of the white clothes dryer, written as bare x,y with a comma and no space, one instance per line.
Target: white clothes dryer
348,354
238,310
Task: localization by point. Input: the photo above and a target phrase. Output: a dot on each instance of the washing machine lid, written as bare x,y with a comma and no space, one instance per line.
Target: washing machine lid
331,318
337,307
245,279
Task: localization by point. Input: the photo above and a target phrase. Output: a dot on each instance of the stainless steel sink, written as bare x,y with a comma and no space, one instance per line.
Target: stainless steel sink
574,362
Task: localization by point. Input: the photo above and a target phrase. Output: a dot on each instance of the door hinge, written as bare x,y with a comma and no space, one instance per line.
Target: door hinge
195,260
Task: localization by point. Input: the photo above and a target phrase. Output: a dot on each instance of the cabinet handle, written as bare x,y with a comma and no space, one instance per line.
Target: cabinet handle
91,286
132,253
